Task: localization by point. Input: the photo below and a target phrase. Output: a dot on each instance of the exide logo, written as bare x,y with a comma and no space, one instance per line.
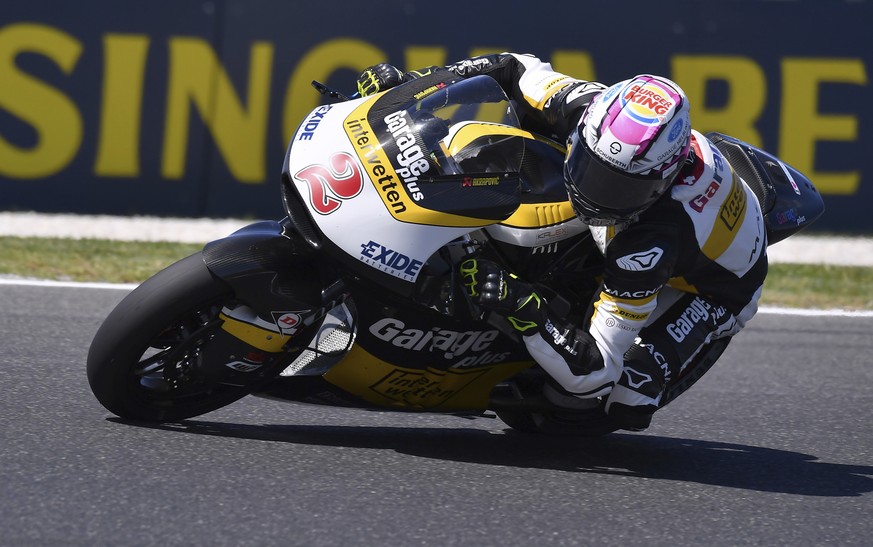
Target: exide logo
389,260
330,185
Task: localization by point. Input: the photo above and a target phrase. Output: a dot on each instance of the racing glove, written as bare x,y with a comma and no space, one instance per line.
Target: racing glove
379,78
492,288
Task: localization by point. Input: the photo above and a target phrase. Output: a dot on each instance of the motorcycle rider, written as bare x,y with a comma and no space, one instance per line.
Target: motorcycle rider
682,235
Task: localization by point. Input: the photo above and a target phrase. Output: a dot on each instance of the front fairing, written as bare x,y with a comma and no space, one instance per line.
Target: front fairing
389,179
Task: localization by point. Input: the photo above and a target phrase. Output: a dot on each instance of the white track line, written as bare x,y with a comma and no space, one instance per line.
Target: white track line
814,313
130,286
67,284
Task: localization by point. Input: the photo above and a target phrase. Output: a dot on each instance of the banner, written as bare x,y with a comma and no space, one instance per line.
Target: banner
185,108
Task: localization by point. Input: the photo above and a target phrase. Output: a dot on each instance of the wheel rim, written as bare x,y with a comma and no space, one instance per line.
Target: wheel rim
169,372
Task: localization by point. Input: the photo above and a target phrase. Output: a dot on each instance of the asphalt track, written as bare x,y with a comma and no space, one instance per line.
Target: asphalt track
772,447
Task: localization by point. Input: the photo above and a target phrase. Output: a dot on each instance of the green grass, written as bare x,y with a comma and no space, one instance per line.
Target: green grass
788,285
819,287
88,259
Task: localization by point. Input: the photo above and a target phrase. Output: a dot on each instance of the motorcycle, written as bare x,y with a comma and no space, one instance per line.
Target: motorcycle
353,299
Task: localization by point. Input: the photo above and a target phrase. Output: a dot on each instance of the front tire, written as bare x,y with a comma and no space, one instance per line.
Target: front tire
145,362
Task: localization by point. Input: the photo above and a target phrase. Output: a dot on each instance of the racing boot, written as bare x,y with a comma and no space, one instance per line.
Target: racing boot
634,400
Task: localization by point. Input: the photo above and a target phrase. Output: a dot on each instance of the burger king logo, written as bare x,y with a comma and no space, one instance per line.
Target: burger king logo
647,103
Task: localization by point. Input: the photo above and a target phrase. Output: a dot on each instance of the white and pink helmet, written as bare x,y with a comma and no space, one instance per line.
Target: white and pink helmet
627,149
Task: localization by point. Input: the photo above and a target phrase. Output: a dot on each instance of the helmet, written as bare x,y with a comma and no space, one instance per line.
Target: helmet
627,149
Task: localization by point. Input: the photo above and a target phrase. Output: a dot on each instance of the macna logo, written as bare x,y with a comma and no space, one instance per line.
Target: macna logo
642,261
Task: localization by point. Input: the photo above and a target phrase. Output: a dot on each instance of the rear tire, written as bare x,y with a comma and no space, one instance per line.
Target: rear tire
580,423
143,362
531,412
595,422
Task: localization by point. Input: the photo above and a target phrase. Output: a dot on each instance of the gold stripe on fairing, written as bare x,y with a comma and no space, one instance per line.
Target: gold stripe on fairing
528,215
472,131
391,190
263,339
538,215
727,224
381,383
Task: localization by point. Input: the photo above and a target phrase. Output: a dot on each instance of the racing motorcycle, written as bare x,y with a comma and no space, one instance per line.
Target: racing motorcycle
354,300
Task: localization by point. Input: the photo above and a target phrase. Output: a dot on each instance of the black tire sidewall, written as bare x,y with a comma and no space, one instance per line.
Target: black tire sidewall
132,325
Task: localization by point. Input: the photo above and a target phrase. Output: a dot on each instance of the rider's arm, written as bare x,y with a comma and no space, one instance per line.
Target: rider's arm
636,267
550,101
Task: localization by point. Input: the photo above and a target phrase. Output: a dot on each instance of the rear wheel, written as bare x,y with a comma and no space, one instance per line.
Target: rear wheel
582,423
147,359
525,409
537,417
704,361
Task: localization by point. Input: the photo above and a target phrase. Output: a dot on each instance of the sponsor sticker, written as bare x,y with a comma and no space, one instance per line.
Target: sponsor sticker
424,388
377,164
471,182
330,185
791,216
648,103
307,130
289,322
641,261
389,260
451,343
734,207
635,378
698,311
412,160
429,91
676,130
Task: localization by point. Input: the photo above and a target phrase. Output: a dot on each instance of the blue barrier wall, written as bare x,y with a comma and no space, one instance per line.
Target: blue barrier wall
182,107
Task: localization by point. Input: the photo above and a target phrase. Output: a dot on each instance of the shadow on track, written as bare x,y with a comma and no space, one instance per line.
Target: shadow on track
634,455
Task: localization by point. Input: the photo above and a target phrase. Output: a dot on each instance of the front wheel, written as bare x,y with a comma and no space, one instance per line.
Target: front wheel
146,361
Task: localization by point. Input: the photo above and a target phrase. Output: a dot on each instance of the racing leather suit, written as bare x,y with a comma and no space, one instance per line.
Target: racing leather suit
689,271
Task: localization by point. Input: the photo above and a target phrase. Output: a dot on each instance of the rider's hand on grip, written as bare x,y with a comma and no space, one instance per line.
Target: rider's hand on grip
492,288
487,285
378,78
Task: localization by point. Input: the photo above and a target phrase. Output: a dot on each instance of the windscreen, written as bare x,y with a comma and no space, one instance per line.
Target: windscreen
417,125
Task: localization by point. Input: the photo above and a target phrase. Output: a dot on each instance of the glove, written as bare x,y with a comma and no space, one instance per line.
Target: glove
492,288
378,78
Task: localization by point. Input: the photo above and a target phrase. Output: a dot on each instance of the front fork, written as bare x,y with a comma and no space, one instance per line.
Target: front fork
282,289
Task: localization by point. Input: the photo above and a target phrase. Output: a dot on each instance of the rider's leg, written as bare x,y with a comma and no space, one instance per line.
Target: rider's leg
663,349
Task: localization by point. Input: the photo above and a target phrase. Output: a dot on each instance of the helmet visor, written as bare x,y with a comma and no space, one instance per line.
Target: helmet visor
603,195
